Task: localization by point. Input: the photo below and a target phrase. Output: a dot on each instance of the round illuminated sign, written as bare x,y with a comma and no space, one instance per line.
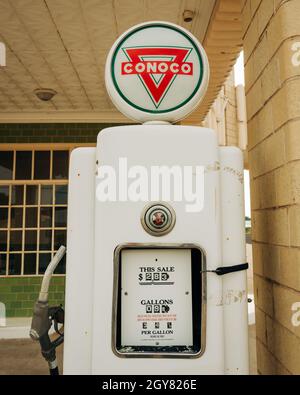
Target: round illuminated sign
156,71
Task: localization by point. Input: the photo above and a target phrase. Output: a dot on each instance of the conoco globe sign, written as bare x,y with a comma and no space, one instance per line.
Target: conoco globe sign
156,71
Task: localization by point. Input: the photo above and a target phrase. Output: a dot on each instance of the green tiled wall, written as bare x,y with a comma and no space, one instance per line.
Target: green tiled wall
51,132
20,293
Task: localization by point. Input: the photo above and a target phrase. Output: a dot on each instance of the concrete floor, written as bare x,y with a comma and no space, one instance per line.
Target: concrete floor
23,356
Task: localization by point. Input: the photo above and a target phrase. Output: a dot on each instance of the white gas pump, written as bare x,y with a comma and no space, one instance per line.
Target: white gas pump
156,279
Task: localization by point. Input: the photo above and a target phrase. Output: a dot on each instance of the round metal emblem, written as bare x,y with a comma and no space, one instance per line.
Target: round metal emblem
158,219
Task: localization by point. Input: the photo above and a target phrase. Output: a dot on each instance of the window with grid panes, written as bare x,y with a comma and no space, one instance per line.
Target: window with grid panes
33,209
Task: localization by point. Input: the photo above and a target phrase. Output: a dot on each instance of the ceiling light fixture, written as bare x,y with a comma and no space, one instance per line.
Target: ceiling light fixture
45,94
188,15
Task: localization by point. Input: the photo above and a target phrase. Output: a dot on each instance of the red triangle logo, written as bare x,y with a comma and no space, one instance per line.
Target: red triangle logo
141,63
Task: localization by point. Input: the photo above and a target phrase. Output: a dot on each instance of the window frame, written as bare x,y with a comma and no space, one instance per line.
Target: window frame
53,182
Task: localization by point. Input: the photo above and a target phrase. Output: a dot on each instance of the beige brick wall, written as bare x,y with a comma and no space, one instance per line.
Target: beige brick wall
231,112
270,28
223,114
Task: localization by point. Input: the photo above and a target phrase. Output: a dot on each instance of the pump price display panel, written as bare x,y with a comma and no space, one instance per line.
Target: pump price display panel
158,301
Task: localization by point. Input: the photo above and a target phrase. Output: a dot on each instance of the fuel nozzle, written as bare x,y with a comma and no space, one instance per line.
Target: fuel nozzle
44,316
